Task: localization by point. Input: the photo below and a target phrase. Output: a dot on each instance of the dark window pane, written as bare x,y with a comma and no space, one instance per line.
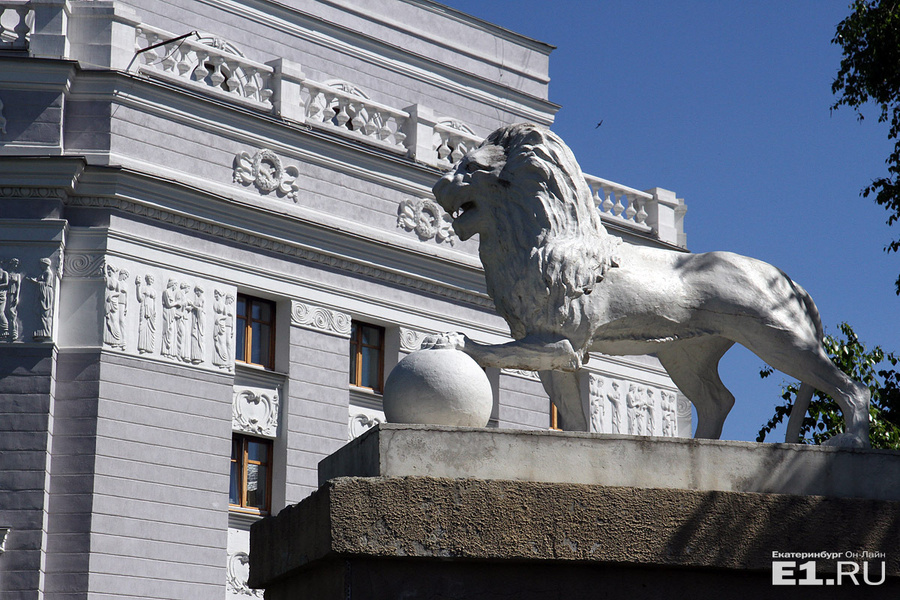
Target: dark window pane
242,307
258,452
234,494
265,345
371,336
241,343
353,365
370,364
262,311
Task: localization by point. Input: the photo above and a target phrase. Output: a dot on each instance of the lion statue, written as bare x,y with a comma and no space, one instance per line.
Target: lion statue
566,288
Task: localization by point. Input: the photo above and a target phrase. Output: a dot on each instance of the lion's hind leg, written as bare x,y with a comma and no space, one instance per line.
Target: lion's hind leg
816,370
694,367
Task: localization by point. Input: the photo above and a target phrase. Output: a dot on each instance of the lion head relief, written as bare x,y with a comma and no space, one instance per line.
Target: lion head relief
541,238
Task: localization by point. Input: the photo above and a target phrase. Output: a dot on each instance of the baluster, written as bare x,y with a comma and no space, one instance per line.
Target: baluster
22,30
328,113
607,203
399,136
374,125
443,150
265,93
2,29
184,65
630,211
618,207
251,77
152,55
384,130
342,116
641,215
201,72
233,83
360,117
459,151
168,62
314,104
216,78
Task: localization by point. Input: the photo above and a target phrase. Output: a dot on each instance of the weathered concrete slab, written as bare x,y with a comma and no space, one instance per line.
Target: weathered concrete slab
616,460
363,538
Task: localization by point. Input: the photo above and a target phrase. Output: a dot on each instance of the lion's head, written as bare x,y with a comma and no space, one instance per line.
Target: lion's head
542,242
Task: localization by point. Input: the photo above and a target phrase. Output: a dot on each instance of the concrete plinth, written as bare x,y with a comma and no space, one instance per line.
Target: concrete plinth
396,535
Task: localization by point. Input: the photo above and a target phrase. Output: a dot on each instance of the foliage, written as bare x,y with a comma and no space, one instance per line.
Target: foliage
874,369
870,71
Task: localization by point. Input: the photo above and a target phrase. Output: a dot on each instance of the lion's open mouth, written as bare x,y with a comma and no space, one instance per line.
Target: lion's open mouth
463,208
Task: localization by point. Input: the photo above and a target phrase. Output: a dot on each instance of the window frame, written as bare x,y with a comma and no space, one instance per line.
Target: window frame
243,464
356,349
247,320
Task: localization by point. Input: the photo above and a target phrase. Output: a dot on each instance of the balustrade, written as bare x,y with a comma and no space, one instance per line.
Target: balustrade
452,140
215,66
197,63
16,21
342,107
621,204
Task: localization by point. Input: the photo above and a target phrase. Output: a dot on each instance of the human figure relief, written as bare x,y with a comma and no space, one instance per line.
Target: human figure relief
147,322
183,320
112,333
650,410
4,289
171,303
198,316
615,408
221,356
13,286
598,411
45,302
633,401
669,416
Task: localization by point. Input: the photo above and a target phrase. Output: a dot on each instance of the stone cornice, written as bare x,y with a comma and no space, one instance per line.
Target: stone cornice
281,246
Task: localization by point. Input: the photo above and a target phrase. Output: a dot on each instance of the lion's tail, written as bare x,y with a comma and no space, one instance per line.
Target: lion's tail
798,413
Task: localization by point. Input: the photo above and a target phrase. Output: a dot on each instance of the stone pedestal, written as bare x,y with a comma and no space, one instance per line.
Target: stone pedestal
394,533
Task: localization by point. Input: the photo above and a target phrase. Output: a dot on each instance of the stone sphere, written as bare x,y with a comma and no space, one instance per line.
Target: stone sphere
438,387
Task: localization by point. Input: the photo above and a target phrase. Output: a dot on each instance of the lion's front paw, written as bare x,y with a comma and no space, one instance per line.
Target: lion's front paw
452,340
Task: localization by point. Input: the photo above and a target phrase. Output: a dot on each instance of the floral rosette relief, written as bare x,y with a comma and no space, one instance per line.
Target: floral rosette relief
427,219
265,171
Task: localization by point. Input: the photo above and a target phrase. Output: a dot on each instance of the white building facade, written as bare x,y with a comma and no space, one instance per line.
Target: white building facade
217,236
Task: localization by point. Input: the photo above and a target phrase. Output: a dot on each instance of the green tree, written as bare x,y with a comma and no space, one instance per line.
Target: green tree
874,369
870,71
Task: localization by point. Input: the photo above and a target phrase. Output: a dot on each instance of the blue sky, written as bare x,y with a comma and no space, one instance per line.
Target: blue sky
727,104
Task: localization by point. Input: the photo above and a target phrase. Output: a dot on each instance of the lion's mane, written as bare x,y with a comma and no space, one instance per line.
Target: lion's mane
551,222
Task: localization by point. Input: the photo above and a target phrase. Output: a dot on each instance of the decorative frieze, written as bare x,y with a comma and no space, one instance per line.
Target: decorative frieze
410,339
255,410
427,219
40,300
632,408
533,375
84,264
321,319
265,171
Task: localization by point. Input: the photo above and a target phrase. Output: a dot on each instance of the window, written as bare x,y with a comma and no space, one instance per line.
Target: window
251,473
255,331
366,356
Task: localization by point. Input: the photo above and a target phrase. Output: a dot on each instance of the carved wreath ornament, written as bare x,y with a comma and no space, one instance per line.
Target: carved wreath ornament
265,171
427,219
